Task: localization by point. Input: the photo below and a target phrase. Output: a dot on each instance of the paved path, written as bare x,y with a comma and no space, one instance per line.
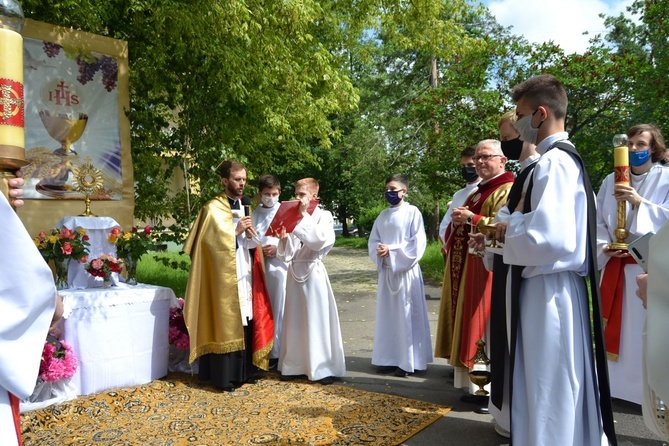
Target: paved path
353,279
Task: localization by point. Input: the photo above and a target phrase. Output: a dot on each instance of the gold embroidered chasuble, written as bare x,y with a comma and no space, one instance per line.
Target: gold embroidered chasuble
465,277
211,309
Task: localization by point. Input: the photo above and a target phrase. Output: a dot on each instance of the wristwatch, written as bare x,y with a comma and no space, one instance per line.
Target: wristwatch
470,219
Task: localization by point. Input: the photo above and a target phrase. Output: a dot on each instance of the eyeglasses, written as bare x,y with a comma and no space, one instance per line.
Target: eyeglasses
484,158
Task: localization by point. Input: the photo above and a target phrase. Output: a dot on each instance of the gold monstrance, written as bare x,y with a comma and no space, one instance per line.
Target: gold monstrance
87,179
621,169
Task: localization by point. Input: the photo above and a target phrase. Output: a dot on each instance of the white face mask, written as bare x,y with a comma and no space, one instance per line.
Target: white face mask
269,201
527,132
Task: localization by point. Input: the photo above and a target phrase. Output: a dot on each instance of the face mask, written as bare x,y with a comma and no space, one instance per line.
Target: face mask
638,159
512,148
527,132
393,197
269,201
469,173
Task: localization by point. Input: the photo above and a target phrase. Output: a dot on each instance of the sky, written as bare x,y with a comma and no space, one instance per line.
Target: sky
562,21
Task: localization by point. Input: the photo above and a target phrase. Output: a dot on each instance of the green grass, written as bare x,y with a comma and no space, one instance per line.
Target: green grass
432,263
154,272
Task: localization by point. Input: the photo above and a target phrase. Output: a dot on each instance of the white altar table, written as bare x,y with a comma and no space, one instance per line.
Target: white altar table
119,334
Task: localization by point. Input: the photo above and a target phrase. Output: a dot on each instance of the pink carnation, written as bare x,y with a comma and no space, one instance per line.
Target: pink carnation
66,248
54,368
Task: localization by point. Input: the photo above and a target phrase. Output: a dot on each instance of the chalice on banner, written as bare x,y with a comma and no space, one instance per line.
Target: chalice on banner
621,169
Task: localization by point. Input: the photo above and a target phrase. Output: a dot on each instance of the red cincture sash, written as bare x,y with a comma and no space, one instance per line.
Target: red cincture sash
611,290
263,320
16,412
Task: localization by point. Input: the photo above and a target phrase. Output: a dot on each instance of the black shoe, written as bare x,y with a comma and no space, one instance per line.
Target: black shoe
228,388
273,363
401,373
482,410
292,377
386,369
326,381
474,399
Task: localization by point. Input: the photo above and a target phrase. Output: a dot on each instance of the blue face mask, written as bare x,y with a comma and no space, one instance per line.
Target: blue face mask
640,158
392,197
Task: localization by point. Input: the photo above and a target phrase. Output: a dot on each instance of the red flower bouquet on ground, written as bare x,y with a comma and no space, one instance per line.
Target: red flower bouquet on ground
58,362
178,332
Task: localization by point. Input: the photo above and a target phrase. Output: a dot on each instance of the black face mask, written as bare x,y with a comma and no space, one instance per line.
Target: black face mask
512,148
469,174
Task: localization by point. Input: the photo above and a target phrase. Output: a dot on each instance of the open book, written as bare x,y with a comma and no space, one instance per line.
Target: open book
288,216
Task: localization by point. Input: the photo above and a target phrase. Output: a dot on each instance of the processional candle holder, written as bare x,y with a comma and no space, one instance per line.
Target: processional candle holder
87,180
479,373
12,115
621,168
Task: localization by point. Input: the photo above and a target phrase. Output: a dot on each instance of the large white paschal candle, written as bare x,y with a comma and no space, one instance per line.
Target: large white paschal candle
12,117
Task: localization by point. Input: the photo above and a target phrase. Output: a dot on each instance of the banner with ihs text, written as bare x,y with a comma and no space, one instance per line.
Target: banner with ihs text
76,97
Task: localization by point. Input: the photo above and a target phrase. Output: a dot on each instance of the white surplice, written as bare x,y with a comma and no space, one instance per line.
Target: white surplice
555,394
27,305
457,201
625,375
311,342
402,331
275,272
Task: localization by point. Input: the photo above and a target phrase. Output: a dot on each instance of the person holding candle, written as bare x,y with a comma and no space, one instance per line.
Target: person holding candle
647,196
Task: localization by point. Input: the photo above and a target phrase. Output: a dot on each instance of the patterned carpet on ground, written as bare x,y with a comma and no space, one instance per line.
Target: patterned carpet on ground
179,410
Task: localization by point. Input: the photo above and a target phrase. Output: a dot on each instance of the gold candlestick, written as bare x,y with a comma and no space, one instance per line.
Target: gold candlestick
12,133
621,166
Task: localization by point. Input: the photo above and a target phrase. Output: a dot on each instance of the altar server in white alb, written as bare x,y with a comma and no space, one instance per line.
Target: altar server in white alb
396,244
559,391
311,342
647,209
275,268
29,305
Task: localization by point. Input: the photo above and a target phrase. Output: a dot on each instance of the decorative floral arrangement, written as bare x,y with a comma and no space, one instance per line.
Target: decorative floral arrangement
58,361
63,244
104,265
133,244
178,331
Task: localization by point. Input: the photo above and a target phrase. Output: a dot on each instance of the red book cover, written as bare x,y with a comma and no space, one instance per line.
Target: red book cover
288,216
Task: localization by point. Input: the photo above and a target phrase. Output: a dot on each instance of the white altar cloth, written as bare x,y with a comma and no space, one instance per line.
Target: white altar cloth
97,229
119,335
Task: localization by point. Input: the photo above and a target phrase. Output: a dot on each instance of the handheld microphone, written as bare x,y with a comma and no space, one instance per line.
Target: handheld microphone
246,202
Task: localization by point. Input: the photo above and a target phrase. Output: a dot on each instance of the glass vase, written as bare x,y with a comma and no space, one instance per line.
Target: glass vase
106,281
61,267
130,270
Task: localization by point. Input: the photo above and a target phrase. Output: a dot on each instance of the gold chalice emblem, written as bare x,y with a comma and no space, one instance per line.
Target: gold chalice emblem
87,180
66,128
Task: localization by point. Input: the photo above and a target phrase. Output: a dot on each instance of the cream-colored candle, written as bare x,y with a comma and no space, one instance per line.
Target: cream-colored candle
621,162
12,133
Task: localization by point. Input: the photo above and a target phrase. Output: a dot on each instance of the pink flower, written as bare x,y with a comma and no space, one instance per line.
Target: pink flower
96,264
147,230
66,248
57,363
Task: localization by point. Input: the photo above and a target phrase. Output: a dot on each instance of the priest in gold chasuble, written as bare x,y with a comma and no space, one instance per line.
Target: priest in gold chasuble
465,299
227,309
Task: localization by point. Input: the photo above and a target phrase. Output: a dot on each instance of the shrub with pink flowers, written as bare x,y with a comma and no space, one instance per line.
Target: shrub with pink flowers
58,361
178,331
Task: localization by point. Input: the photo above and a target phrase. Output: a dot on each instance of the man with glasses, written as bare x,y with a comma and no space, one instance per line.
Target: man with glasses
465,300
647,198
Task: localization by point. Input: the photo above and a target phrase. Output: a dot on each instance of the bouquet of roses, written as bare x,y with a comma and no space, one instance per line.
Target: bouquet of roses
63,244
133,244
104,265
58,362
178,331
